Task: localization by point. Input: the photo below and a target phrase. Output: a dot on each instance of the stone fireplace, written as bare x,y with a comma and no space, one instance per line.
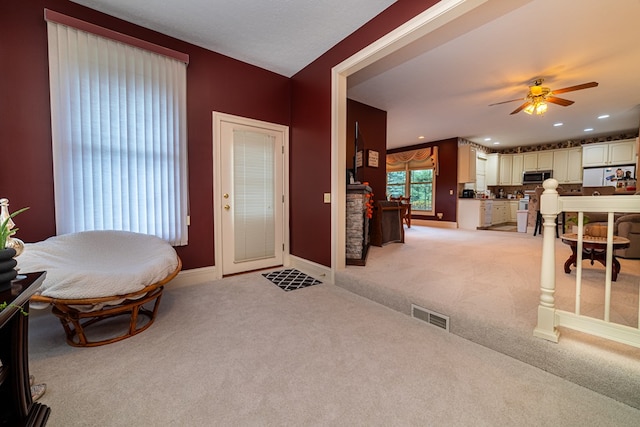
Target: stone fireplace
357,235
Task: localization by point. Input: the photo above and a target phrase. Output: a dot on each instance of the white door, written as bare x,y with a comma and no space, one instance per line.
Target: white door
250,197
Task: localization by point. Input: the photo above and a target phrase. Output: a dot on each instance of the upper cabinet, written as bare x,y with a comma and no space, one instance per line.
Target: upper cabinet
567,165
492,172
516,169
466,163
538,161
506,162
610,153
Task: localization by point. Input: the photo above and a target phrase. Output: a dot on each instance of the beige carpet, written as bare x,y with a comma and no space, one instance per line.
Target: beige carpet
241,351
488,283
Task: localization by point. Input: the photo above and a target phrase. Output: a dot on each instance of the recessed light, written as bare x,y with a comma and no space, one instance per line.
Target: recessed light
421,137
604,116
496,143
487,139
588,129
558,124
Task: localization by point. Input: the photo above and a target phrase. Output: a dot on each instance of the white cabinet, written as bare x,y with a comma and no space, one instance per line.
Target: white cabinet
474,213
567,165
545,160
538,161
517,169
611,153
492,172
486,207
530,161
513,210
499,212
506,161
466,163
510,170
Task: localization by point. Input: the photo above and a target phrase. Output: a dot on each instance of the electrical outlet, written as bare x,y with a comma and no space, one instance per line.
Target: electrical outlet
327,197
439,214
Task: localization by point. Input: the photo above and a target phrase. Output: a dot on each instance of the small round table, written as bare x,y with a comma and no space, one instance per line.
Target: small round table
594,249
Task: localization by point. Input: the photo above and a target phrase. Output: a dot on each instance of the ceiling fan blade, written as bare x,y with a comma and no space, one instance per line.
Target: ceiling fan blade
506,102
577,87
520,108
559,101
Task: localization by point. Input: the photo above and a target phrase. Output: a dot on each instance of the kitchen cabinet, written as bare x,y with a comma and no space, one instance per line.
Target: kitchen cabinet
517,169
538,161
499,212
506,164
567,165
485,212
466,163
510,169
610,153
513,210
474,213
492,172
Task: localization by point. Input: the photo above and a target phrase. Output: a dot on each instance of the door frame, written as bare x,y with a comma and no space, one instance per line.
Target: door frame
428,21
219,117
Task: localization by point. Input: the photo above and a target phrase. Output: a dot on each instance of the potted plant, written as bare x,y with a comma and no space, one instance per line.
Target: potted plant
573,221
7,263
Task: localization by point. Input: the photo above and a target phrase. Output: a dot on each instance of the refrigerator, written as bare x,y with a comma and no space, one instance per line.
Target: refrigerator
614,175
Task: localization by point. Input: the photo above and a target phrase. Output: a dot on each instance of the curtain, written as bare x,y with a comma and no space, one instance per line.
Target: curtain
415,159
118,119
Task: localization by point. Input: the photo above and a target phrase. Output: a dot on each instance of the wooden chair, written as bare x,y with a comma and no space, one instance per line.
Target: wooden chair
406,208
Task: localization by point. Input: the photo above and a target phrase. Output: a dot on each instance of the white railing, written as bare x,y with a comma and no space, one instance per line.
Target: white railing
549,317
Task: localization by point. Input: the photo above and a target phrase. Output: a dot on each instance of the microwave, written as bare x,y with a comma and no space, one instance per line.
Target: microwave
536,177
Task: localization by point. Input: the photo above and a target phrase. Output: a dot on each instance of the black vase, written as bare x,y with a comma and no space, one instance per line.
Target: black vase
7,268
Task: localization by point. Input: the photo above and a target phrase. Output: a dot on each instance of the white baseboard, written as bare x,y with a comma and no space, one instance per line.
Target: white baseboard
315,270
194,276
434,223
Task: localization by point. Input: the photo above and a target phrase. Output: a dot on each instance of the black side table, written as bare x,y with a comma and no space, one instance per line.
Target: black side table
16,406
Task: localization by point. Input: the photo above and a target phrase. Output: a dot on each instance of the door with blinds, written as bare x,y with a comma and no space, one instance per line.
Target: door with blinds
250,198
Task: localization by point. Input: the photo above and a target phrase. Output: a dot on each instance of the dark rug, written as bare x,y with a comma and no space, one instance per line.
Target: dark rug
291,279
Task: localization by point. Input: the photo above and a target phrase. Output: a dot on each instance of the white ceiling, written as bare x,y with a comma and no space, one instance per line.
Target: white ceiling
440,86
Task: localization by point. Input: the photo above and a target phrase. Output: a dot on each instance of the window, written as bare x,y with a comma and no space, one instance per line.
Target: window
417,184
118,118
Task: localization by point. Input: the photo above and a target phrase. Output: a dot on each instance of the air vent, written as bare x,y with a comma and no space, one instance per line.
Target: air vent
431,317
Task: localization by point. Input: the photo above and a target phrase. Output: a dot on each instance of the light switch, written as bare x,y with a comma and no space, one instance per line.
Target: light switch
451,192
327,197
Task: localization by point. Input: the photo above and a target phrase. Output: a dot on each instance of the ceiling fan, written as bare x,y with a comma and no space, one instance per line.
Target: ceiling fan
538,97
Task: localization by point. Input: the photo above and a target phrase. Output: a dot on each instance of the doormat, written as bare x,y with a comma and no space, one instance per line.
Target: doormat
291,279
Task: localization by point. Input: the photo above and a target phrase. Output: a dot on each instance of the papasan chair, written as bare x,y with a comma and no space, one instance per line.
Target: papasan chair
94,276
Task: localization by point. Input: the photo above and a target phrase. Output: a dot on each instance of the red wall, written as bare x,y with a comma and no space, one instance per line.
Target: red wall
214,82
310,172
372,129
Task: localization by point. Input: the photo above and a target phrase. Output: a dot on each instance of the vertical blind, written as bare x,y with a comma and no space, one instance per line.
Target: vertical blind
118,117
254,195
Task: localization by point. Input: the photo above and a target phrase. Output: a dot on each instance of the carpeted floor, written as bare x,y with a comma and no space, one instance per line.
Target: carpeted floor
240,351
488,283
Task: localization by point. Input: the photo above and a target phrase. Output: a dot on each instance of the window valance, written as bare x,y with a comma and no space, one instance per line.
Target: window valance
415,159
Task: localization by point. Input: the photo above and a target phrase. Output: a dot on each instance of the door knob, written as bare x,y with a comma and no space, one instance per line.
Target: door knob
227,207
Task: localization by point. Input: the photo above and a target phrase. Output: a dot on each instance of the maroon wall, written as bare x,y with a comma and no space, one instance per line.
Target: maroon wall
310,172
372,130
214,82
446,180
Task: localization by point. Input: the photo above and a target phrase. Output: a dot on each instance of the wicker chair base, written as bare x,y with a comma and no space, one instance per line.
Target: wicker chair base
141,307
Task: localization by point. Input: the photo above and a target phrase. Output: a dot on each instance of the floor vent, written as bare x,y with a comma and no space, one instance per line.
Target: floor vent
431,317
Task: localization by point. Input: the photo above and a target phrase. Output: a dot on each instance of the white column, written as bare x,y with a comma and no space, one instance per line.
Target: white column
549,210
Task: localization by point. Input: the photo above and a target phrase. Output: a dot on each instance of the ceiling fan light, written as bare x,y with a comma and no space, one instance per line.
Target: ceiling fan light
541,108
529,109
